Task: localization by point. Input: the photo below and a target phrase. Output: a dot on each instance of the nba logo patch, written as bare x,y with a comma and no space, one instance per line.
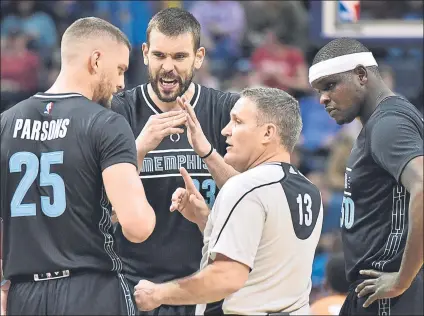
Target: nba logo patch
49,108
348,11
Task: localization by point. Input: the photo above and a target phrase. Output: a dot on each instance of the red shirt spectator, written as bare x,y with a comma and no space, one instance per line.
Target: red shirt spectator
280,66
19,66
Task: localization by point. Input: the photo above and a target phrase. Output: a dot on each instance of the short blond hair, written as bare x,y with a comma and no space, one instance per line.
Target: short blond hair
94,27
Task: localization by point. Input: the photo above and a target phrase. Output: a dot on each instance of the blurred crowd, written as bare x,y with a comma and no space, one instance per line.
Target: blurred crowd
248,43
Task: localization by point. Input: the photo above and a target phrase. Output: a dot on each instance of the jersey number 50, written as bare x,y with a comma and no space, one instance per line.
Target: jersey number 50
348,213
33,166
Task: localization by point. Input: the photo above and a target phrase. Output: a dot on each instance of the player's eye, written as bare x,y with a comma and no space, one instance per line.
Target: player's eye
180,57
159,55
329,86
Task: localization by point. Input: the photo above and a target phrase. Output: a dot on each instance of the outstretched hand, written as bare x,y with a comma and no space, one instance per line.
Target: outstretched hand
195,135
189,202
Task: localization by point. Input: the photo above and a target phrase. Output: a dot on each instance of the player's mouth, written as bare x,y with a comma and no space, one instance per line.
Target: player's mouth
168,84
229,146
330,111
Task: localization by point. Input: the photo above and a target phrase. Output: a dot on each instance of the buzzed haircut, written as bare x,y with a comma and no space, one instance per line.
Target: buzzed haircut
340,47
94,27
173,22
280,108
335,273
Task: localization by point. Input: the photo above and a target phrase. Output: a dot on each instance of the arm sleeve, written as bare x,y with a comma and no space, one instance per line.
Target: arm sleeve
120,106
240,231
116,143
395,140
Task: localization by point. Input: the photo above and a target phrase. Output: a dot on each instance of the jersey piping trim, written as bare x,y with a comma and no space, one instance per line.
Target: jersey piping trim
242,197
398,221
384,307
127,295
57,96
104,226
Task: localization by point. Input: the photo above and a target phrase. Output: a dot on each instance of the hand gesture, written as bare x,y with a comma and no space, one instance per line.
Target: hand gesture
158,127
146,296
384,285
189,202
195,135
4,294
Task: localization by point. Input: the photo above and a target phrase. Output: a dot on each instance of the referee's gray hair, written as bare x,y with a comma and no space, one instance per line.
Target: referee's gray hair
94,27
280,108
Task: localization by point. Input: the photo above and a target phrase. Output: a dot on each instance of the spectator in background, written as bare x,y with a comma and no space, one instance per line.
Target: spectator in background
65,12
223,26
277,15
37,25
244,76
335,285
19,69
204,76
339,153
319,130
281,65
132,17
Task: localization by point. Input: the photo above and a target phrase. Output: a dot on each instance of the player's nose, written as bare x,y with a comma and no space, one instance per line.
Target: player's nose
168,64
324,99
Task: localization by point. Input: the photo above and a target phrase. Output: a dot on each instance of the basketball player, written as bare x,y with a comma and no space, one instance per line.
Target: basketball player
172,54
262,232
62,157
382,217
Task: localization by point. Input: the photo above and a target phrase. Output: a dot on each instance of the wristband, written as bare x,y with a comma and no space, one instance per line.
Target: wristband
208,154
3,282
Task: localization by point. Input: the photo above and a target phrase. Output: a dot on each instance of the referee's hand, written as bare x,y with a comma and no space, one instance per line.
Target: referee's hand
189,202
4,294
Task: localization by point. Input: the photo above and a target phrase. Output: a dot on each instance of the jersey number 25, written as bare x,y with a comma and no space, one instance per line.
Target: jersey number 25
33,167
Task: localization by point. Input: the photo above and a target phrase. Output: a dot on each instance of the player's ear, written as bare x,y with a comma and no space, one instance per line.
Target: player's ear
94,62
270,132
200,56
145,50
362,74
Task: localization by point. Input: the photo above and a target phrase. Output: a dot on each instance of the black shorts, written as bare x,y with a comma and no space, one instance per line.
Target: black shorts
164,310
409,303
90,293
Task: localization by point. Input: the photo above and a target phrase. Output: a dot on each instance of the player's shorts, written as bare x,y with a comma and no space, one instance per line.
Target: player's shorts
90,293
164,310
409,303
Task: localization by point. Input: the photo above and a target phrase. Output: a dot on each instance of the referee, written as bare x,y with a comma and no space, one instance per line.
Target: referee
261,235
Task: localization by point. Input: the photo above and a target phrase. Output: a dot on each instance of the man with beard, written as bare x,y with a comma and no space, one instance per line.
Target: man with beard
62,156
172,53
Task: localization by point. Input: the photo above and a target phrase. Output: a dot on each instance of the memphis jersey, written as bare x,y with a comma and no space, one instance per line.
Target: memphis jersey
174,248
374,214
56,215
